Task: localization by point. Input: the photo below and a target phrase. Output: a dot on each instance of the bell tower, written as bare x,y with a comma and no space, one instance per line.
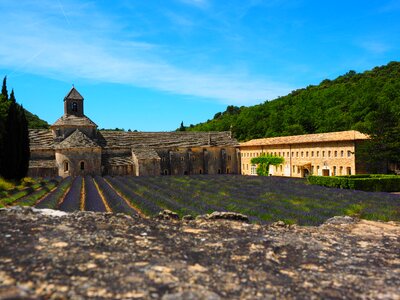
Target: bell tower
73,103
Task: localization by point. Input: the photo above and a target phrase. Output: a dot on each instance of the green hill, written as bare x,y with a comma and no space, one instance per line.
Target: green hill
34,122
351,101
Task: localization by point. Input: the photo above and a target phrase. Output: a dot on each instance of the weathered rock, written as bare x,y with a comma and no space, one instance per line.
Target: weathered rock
337,220
102,256
188,218
225,215
167,215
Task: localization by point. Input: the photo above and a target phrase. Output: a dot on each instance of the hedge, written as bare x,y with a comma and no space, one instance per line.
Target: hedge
370,183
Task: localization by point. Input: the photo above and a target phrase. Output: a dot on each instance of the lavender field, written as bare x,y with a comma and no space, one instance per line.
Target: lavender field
263,199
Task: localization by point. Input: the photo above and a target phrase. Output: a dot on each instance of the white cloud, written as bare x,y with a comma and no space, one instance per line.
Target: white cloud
52,48
375,47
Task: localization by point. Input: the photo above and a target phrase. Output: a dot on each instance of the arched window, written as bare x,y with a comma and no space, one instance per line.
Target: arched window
82,165
74,107
66,166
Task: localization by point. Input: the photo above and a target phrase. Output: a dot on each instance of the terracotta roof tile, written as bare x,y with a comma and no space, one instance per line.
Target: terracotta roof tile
350,135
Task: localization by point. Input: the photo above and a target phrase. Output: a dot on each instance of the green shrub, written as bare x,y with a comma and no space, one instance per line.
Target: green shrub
370,182
5,185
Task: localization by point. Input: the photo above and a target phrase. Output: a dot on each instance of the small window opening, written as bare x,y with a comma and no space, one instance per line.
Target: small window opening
219,170
200,171
66,167
82,165
74,107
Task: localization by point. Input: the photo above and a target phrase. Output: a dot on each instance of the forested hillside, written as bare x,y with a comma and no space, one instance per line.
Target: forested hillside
368,102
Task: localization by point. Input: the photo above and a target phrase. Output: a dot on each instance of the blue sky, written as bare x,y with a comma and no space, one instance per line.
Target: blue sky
148,65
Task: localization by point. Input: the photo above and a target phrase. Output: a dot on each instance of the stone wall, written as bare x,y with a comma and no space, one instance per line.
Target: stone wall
199,160
90,157
43,172
329,158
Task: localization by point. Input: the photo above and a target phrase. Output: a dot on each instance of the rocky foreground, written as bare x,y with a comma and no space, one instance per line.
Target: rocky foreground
53,255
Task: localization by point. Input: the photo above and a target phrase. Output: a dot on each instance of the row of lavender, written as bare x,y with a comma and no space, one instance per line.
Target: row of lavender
264,199
86,193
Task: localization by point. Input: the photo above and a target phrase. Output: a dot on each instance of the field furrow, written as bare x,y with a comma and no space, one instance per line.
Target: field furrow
72,200
93,200
116,203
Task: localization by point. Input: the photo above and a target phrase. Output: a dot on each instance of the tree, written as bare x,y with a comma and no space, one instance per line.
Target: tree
264,161
4,91
15,154
182,127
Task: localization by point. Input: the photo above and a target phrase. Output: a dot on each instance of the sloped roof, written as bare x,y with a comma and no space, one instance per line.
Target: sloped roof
43,139
163,140
117,160
73,94
145,153
351,135
77,140
40,139
42,163
72,120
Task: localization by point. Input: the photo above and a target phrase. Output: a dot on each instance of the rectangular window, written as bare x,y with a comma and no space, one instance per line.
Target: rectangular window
349,153
341,170
306,153
312,153
281,168
317,153
297,154
253,170
294,169
288,154
323,153
334,170
348,171
329,153
312,169
335,153
341,153
292,154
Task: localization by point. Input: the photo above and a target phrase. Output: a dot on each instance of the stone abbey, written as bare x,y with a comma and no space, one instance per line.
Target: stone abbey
74,146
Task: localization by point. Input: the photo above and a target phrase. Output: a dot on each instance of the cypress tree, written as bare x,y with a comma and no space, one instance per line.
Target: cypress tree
16,142
24,146
4,91
3,116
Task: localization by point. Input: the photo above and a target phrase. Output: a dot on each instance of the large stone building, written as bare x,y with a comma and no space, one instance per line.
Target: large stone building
73,146
326,154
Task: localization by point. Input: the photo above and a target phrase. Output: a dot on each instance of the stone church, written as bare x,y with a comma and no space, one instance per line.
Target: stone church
74,146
